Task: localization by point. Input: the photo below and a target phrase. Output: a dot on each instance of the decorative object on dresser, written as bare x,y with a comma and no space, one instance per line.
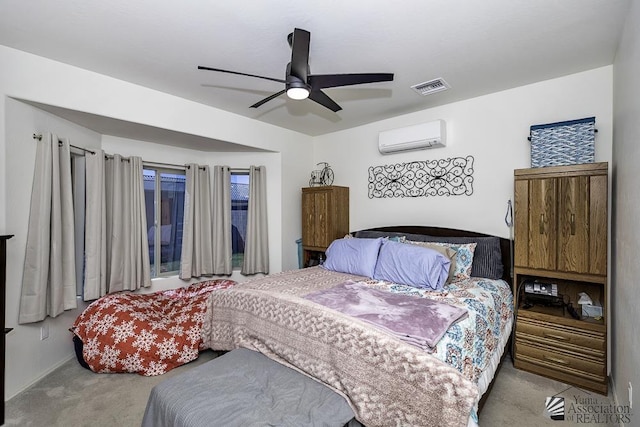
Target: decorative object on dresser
563,143
561,220
443,177
3,279
322,176
325,217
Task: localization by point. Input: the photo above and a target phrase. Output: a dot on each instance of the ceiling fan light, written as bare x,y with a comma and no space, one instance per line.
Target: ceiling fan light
298,93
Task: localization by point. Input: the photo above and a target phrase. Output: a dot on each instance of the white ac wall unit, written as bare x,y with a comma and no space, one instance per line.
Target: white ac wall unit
417,137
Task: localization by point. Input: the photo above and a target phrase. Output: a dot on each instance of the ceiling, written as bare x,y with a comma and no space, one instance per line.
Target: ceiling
477,47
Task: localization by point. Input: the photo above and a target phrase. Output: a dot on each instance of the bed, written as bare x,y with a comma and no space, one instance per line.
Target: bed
386,379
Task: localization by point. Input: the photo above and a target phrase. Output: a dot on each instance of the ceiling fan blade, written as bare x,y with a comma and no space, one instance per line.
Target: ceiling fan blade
300,53
320,81
267,99
323,99
200,67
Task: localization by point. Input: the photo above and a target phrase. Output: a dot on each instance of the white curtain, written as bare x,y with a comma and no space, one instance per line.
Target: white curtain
197,231
95,237
256,249
222,250
117,253
49,280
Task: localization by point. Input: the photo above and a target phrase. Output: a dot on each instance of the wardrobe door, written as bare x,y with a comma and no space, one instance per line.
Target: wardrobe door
573,224
308,218
598,224
521,223
322,219
315,212
542,223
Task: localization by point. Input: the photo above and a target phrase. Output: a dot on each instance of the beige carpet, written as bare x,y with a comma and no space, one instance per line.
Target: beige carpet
518,399
73,396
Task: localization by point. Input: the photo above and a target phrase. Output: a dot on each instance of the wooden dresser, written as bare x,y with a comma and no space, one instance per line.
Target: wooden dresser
561,221
3,280
325,217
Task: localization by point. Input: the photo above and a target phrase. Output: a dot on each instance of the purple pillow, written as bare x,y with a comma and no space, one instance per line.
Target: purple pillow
412,265
353,256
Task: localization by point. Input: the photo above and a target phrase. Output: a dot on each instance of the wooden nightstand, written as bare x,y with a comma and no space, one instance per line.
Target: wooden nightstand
550,342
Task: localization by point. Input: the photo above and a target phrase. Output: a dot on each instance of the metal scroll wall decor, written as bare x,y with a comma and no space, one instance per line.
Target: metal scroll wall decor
444,177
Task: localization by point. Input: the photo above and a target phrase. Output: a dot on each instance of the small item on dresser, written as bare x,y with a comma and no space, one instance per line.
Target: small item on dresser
593,310
321,177
589,308
584,298
572,311
563,143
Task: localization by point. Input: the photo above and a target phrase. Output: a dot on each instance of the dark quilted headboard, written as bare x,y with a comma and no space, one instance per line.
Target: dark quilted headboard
505,244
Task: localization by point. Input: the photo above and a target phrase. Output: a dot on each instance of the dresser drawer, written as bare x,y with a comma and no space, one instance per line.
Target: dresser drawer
561,334
559,360
559,345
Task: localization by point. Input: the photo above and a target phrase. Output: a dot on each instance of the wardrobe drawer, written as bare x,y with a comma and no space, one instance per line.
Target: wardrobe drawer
559,345
562,361
561,334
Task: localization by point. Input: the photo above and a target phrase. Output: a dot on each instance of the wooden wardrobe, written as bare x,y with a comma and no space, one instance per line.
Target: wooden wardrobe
325,217
561,223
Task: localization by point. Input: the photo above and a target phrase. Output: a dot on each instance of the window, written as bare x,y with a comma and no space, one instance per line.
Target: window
239,207
164,192
165,189
78,185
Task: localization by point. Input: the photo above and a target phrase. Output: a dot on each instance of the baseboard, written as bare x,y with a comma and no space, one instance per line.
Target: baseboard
44,374
614,395
617,404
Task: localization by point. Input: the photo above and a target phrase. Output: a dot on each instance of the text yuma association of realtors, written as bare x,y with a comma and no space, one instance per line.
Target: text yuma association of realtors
589,410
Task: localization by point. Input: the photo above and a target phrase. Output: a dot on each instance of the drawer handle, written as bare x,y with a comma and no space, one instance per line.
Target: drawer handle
555,337
573,224
555,359
541,223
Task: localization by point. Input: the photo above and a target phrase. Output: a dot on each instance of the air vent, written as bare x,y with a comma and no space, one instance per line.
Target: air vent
432,86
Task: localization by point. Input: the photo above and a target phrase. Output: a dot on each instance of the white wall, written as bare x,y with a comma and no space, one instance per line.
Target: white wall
33,78
492,128
27,357
625,291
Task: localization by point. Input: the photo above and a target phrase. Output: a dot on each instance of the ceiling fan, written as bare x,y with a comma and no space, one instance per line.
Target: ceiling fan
300,84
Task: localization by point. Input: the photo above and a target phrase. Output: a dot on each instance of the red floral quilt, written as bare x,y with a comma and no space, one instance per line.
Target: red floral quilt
149,334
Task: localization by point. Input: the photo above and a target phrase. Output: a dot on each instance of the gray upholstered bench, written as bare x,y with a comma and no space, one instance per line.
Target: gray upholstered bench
244,388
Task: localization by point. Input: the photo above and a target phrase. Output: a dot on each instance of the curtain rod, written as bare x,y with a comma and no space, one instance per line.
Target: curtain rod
38,136
184,167
167,165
